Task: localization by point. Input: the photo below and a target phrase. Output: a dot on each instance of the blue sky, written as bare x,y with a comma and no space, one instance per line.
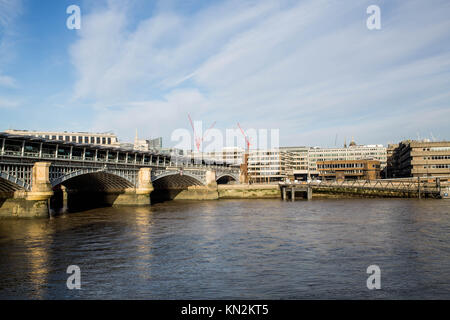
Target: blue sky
309,68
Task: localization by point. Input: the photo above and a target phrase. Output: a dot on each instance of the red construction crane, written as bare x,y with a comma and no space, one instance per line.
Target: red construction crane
247,141
198,140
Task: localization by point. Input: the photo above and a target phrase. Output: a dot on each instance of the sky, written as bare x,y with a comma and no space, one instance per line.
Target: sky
311,68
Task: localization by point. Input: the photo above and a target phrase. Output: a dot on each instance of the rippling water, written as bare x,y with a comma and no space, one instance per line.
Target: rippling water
233,249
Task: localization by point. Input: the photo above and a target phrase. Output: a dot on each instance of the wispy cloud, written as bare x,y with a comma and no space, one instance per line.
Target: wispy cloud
9,103
310,68
7,81
9,10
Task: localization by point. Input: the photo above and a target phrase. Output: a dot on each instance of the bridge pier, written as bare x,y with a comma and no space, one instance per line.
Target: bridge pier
211,179
31,204
139,196
59,203
209,191
65,198
305,190
41,191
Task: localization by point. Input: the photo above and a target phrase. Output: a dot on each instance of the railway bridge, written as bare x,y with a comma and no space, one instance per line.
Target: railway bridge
35,170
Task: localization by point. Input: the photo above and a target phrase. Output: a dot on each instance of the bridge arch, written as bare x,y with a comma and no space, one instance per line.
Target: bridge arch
94,180
94,176
10,183
176,180
88,189
226,178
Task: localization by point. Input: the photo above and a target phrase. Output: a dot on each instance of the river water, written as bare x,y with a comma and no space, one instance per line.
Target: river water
233,249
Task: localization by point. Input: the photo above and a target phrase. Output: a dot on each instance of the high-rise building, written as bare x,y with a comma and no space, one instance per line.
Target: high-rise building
146,145
155,143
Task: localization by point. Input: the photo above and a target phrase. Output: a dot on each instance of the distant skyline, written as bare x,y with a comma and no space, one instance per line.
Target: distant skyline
309,68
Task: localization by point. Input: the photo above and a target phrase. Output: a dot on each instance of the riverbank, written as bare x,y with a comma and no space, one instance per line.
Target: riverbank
249,191
265,191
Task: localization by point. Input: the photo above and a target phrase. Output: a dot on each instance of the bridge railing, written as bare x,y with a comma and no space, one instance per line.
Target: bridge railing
47,156
411,185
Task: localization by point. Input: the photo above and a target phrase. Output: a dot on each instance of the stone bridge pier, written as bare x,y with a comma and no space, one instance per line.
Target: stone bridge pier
28,203
210,177
41,189
140,195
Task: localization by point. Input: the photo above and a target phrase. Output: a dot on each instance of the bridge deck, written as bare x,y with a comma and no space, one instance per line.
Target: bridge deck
18,154
415,186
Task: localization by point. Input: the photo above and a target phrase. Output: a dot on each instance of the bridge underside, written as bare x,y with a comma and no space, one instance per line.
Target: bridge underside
181,187
175,181
97,182
8,186
88,191
226,179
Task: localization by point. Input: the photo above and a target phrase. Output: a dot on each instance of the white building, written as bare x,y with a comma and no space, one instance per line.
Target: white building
353,152
104,139
230,155
301,162
267,166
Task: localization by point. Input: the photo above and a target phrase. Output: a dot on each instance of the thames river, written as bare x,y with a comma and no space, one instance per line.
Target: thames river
233,249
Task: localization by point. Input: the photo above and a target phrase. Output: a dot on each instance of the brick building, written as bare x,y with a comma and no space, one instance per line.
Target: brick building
349,169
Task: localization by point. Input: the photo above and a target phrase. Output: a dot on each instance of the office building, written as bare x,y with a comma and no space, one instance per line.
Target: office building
424,158
104,139
147,144
267,166
349,169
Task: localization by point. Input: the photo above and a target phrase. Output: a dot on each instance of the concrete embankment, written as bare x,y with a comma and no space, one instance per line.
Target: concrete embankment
252,191
221,192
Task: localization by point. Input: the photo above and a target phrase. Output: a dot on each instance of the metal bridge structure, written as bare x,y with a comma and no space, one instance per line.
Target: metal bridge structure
37,167
18,154
429,187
